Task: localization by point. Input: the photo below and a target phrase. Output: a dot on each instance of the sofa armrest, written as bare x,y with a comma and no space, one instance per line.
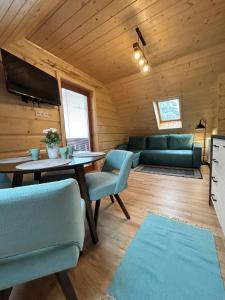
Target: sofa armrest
197,155
122,147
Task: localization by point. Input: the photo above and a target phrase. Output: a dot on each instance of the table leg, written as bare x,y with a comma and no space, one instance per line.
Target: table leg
79,171
17,179
37,176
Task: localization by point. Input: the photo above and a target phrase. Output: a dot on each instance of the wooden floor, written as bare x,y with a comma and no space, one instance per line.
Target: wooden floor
186,199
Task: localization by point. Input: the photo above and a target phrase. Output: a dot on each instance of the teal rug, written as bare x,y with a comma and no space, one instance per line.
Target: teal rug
169,260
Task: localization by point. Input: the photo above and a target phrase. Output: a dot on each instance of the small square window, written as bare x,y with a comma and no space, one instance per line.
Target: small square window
168,113
169,110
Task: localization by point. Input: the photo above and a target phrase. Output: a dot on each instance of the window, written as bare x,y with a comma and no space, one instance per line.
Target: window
76,116
168,114
169,110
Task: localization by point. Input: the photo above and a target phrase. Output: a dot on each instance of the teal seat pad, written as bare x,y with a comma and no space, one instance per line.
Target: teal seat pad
101,184
22,268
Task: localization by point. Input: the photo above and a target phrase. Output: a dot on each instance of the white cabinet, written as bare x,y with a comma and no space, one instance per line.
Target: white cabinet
217,178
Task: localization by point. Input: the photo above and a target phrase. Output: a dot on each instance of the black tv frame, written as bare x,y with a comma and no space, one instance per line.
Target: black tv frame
27,97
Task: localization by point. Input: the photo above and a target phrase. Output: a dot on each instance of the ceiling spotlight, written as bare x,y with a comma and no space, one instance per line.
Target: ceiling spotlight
146,68
137,51
141,61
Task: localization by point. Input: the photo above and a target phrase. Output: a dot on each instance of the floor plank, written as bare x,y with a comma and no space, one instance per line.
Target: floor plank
177,197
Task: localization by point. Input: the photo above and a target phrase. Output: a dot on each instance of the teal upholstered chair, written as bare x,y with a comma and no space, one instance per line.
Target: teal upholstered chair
111,180
5,181
41,233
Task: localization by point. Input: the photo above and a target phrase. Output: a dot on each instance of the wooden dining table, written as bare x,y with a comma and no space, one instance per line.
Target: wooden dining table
77,164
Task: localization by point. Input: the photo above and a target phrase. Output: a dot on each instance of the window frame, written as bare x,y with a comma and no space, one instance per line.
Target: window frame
159,111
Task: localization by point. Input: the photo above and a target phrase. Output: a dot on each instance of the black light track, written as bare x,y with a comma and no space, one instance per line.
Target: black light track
140,36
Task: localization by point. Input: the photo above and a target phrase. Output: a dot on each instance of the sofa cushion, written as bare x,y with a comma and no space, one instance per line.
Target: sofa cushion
136,157
137,142
157,142
174,158
180,141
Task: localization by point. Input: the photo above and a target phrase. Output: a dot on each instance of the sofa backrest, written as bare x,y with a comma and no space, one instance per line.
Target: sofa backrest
137,142
180,141
162,142
156,142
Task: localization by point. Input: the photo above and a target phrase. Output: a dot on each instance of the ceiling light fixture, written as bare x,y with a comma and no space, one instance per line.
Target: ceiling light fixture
138,53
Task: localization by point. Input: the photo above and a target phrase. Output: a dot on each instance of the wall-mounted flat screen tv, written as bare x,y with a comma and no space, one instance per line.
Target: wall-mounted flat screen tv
28,81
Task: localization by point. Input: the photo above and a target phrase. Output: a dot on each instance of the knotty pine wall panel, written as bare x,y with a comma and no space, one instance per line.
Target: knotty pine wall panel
21,128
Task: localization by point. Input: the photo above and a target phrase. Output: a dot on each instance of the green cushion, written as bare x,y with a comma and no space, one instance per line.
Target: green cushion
136,157
173,158
180,141
137,142
157,142
135,162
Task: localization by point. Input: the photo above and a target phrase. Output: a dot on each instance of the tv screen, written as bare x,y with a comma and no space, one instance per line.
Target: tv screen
28,81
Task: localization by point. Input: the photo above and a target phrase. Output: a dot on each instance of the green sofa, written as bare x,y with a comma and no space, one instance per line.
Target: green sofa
176,150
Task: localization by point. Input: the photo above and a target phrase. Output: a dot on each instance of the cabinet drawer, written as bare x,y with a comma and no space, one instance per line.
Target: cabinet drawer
218,152
218,179
218,184
218,166
222,215
219,208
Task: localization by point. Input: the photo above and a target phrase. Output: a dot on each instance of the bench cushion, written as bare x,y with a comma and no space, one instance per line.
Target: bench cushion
180,141
157,142
174,158
137,142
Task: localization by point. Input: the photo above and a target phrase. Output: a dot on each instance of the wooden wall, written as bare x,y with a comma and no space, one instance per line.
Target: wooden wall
21,128
193,78
221,104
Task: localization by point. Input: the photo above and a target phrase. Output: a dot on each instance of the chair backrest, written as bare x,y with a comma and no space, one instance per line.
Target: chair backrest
119,160
40,217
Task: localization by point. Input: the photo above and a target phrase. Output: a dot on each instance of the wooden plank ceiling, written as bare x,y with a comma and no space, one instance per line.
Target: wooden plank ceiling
97,35
19,18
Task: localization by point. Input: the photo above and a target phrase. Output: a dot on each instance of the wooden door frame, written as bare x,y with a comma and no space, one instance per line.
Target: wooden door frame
67,85
87,89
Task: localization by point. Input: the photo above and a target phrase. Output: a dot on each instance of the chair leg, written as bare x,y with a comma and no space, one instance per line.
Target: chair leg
66,285
97,206
122,206
112,199
5,294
